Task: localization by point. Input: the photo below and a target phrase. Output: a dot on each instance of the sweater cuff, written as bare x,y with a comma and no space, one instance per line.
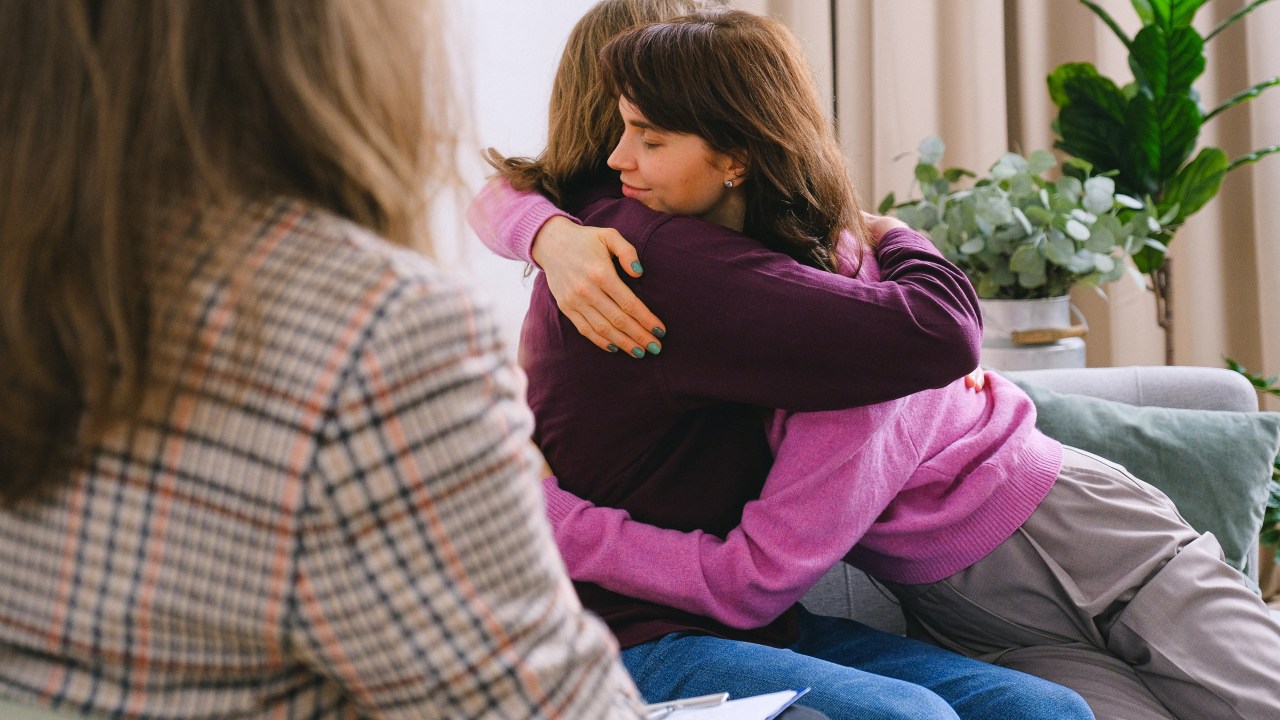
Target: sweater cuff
527,226
560,503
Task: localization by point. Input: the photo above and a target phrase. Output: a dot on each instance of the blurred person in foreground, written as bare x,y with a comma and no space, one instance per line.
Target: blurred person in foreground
259,457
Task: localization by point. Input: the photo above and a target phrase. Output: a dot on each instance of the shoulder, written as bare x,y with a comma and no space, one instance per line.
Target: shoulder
325,286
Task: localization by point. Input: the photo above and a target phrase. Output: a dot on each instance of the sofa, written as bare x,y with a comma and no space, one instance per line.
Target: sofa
846,592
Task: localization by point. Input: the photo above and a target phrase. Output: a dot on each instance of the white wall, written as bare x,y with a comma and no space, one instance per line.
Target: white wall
505,54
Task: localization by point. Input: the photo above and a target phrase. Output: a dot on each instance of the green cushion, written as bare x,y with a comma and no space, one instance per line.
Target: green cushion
1214,465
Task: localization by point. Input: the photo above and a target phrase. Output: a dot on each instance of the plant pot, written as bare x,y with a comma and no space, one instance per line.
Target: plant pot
1030,335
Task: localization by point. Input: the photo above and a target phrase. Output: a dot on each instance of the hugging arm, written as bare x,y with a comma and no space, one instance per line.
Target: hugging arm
815,505
577,260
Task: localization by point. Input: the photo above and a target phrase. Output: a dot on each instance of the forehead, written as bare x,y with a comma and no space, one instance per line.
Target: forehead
631,115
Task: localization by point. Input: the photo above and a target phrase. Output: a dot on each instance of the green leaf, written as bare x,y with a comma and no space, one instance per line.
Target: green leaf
1148,259
1101,240
1143,8
1038,215
1166,62
973,246
1161,136
886,204
1041,161
954,174
1064,73
926,173
987,287
1197,183
1026,260
1076,230
1099,194
931,149
1059,249
1171,13
1129,201
1092,122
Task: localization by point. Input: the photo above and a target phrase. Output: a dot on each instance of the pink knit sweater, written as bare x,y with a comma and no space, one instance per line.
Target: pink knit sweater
910,490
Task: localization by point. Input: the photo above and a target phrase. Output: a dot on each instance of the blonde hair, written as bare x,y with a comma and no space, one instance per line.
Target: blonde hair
582,120
115,109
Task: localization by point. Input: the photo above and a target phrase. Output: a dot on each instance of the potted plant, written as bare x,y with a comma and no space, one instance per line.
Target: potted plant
1146,131
1021,236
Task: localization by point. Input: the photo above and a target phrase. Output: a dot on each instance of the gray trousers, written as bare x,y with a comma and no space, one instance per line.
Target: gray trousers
1106,590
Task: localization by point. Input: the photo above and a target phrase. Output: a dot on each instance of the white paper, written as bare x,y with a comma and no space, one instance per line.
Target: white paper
756,707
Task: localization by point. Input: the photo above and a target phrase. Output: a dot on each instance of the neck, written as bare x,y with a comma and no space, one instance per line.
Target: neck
732,213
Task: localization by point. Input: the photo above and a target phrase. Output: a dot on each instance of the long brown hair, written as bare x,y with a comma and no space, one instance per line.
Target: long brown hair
740,82
114,109
583,123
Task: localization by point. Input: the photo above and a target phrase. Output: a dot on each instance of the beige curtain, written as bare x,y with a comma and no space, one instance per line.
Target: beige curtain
973,71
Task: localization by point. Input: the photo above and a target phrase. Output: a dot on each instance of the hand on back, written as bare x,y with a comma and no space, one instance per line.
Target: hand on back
578,263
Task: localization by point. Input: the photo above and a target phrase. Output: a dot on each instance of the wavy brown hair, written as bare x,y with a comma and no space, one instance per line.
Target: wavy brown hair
113,110
583,124
740,82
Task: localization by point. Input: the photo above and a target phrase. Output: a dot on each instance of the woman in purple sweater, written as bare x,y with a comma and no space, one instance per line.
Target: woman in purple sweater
684,444
1000,542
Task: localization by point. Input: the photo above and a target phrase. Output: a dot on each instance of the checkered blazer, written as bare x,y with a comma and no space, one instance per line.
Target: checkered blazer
330,509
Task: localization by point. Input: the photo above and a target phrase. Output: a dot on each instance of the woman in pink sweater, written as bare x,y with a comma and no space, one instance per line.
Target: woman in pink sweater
1000,542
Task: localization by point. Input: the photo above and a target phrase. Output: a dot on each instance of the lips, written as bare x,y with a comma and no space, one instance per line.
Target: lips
631,191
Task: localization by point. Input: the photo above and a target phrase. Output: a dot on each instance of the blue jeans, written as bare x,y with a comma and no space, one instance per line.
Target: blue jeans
856,673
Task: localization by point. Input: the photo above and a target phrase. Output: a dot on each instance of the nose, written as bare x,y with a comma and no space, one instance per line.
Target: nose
620,158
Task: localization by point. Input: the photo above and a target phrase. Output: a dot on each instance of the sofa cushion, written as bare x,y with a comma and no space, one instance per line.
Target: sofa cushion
1214,465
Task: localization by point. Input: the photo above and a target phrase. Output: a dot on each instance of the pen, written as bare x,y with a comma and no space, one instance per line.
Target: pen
663,709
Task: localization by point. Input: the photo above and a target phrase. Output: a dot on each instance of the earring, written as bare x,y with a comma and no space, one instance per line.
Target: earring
728,183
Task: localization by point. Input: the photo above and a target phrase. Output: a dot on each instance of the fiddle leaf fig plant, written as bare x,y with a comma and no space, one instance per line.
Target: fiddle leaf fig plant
1146,131
1018,234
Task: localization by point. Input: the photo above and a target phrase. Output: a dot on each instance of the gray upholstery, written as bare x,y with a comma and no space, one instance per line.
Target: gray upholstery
846,592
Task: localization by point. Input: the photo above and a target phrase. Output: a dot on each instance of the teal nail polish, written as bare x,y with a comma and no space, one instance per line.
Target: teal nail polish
612,347
637,267
638,353
659,333
654,348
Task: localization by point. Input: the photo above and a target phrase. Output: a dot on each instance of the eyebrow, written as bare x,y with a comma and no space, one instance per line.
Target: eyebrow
643,125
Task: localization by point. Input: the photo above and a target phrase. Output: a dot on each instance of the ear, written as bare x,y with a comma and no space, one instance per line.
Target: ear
736,164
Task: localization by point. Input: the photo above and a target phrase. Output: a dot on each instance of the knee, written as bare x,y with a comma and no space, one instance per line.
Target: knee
906,702
1038,698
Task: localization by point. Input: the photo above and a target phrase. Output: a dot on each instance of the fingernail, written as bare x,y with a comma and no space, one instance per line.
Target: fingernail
637,267
612,348
659,333
637,352
654,348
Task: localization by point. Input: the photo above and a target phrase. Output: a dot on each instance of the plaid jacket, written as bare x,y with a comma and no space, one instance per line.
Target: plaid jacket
332,511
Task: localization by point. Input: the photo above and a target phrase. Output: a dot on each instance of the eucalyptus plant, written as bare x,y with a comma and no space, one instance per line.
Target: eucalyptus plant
1018,234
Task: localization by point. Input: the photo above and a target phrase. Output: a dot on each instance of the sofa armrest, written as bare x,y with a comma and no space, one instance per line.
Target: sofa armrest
1192,388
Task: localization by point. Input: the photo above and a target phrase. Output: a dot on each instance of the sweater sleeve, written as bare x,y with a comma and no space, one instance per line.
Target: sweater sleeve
834,474
750,325
508,220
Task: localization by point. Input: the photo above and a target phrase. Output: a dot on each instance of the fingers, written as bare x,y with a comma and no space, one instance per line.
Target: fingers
594,327
976,380
626,253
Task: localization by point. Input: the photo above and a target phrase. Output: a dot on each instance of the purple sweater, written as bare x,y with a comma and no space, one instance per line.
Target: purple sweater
678,440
